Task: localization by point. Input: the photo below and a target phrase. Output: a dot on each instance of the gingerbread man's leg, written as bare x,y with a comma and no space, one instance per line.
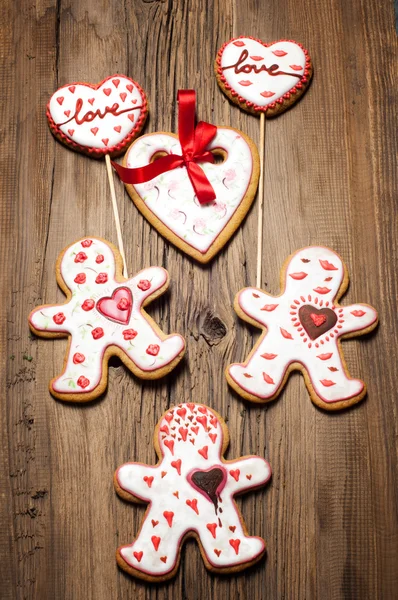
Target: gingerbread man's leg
330,381
83,371
155,550
263,376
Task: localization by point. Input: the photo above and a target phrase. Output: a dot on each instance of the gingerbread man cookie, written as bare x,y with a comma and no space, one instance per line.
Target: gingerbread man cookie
190,493
302,329
104,316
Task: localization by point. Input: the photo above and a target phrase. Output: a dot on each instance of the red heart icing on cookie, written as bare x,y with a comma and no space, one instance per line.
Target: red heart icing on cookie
76,111
118,307
263,77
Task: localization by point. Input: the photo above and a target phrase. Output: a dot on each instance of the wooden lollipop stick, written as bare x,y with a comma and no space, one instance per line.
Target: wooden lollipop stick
260,202
116,214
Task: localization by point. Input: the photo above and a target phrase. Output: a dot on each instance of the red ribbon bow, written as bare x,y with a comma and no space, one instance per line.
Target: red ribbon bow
193,142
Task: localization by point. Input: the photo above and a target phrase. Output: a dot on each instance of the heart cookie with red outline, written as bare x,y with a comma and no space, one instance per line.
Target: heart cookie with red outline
98,119
262,77
169,201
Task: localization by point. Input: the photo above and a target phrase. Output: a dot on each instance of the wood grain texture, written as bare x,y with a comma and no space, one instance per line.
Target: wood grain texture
329,514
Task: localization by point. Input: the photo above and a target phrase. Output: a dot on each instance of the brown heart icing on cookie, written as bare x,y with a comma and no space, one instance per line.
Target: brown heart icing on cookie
316,321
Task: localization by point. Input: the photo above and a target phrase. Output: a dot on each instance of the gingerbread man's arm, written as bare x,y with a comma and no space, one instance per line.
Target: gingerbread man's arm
147,282
357,317
49,319
139,480
255,306
246,473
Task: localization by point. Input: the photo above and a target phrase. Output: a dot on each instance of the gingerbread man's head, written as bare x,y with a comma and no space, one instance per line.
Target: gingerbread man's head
315,271
73,264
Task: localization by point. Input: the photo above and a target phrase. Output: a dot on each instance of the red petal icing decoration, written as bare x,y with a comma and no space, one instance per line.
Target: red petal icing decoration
296,67
212,528
286,334
358,313
204,452
245,82
193,504
322,290
268,379
266,94
333,369
325,356
298,276
168,515
138,555
327,265
235,474
327,382
328,278
239,43
170,445
176,464
155,541
269,307
247,375
257,57
268,356
235,545
279,53
255,295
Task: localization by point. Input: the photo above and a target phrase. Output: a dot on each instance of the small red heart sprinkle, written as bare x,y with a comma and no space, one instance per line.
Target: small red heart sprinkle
176,464
176,494
107,91
67,112
123,96
105,141
148,481
71,131
218,552
155,541
134,101
232,528
91,100
118,128
154,523
248,477
129,87
204,452
94,130
138,555
116,82
193,504
60,99
163,473
235,474
72,88
163,558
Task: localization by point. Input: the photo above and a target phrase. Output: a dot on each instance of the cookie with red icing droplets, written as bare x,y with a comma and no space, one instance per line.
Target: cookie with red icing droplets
104,316
302,329
98,119
263,78
191,493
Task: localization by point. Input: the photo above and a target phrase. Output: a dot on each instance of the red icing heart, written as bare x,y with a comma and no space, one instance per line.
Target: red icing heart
204,452
218,552
117,308
138,555
155,541
235,545
193,504
163,558
154,523
176,464
316,321
263,77
168,515
235,474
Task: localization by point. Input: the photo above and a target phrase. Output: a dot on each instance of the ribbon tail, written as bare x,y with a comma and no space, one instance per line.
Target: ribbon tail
200,183
148,172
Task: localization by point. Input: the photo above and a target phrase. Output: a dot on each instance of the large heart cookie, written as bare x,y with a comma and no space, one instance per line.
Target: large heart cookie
98,119
263,77
169,202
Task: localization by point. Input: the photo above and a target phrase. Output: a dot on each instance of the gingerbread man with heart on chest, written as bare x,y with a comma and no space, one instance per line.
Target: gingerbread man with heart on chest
104,316
302,329
190,493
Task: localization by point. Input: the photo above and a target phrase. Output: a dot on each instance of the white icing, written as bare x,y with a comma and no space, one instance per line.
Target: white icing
263,81
80,324
253,471
82,133
171,197
249,376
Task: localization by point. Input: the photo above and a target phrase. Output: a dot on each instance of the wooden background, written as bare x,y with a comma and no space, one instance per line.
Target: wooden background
329,514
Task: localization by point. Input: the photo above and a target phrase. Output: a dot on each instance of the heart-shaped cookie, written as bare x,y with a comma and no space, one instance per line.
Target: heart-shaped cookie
169,202
262,77
98,119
